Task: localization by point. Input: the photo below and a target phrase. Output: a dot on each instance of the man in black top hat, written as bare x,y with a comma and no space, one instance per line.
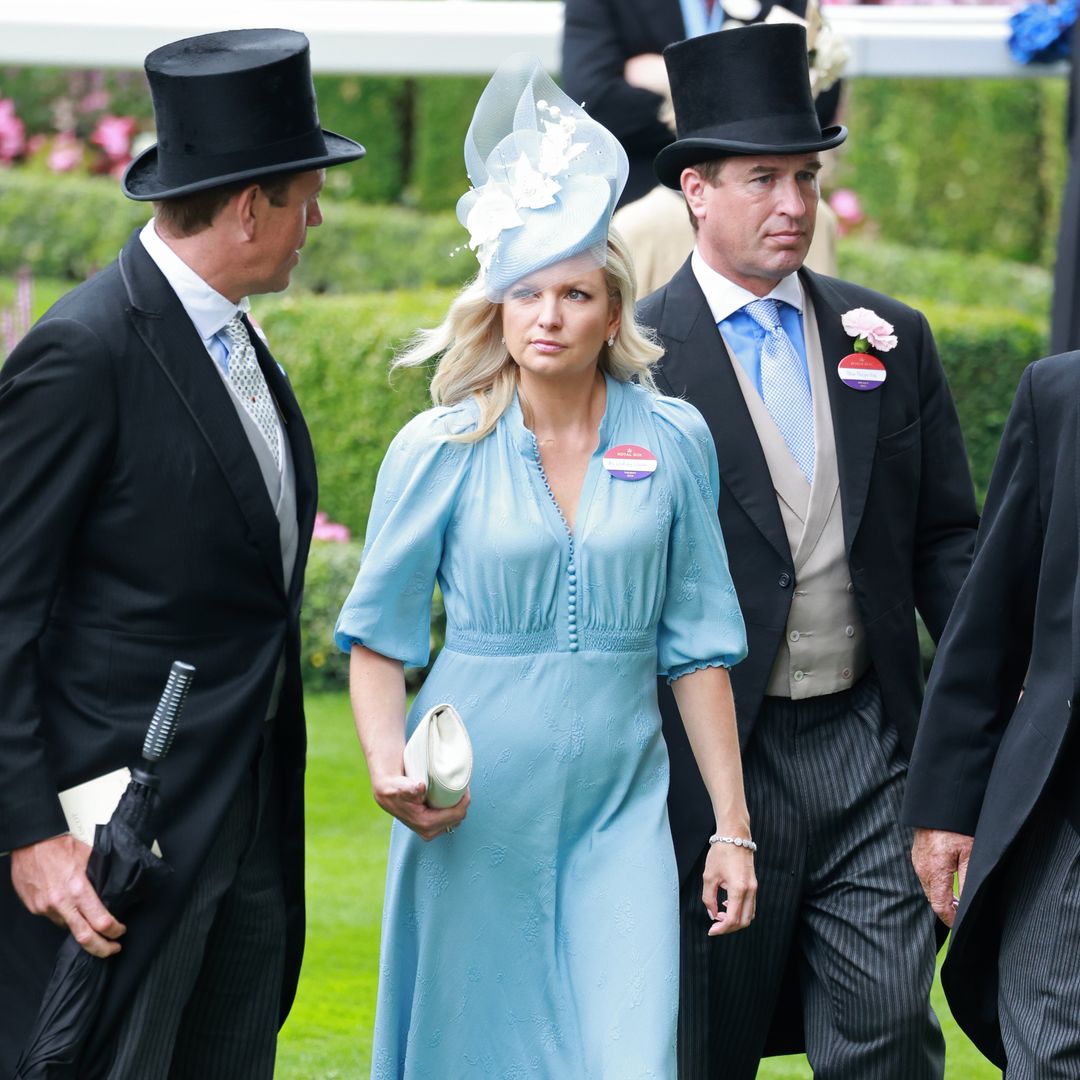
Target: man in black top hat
846,505
158,504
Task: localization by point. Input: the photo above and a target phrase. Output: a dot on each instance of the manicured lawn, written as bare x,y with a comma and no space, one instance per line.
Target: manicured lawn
329,1032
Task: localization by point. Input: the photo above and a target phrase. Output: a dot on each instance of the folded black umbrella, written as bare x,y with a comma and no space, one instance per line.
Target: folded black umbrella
124,871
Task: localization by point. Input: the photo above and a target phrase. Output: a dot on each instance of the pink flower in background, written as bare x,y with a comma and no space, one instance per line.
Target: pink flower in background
12,131
95,101
861,322
846,204
325,529
66,153
114,134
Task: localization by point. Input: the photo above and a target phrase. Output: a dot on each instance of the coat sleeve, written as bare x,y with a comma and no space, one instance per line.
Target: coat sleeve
593,55
947,516
983,656
57,430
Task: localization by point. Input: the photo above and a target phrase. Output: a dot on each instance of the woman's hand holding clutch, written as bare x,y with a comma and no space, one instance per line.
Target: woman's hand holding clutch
403,798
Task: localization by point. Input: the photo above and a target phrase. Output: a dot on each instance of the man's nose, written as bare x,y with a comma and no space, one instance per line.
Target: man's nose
791,199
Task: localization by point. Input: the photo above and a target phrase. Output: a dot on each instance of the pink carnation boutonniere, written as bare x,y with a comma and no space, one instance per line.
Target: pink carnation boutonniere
861,370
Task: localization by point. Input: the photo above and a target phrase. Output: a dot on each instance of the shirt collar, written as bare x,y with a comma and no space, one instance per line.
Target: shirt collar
724,297
205,306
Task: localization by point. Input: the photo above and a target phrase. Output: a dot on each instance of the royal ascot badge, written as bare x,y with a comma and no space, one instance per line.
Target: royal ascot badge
861,370
629,462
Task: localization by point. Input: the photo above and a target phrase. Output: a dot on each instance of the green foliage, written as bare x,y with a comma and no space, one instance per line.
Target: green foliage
374,111
984,351
63,226
443,109
337,351
970,164
67,227
960,278
331,568
328,578
49,99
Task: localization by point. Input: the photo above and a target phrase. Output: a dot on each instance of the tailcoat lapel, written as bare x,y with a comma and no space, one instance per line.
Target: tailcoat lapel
168,333
697,365
855,414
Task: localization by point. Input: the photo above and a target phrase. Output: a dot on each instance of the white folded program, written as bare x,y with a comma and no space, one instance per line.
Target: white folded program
439,753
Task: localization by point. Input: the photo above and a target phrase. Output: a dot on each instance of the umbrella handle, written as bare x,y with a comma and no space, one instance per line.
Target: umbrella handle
159,735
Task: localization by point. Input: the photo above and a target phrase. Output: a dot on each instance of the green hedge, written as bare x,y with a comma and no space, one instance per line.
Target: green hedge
68,226
974,165
971,164
984,351
971,280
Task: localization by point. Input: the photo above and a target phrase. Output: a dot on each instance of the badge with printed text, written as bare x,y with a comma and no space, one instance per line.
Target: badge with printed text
861,371
629,462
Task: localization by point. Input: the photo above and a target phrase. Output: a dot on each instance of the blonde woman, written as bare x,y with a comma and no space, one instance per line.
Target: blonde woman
568,513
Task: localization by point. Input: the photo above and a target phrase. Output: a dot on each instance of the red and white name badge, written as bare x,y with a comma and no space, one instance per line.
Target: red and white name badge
861,371
629,462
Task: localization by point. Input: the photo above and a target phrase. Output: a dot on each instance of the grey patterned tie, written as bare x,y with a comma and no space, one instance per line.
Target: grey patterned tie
247,379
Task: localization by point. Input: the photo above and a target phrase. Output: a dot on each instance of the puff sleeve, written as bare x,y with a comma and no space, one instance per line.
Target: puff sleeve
389,607
700,622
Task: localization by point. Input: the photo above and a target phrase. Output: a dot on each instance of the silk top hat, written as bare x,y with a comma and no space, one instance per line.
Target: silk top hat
741,91
230,106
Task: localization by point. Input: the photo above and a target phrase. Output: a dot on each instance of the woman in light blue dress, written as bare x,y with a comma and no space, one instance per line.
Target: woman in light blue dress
532,930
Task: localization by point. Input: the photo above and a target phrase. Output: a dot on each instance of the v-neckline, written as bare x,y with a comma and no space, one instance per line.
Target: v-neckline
531,446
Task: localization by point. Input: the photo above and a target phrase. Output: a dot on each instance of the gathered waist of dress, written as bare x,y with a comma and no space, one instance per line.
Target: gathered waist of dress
529,642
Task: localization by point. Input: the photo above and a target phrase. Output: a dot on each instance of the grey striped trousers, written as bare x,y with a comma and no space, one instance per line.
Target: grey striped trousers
824,783
208,1006
1039,962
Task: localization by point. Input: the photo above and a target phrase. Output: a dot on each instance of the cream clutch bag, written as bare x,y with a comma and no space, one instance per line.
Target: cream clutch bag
439,753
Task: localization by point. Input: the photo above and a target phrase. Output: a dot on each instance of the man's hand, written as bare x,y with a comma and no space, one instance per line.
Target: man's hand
937,855
648,72
50,879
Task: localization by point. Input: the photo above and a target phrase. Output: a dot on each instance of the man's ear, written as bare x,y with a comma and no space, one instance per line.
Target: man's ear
243,208
693,189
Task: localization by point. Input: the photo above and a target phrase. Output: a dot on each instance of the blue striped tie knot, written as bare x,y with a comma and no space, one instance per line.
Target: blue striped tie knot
785,385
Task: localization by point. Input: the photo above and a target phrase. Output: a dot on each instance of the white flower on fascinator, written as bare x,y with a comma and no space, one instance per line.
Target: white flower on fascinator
557,146
530,188
492,212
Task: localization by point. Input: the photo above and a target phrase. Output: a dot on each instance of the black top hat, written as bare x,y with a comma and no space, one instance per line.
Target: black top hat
230,106
741,91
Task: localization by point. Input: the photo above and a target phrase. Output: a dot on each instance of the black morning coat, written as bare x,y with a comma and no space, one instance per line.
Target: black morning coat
908,511
985,755
599,36
136,529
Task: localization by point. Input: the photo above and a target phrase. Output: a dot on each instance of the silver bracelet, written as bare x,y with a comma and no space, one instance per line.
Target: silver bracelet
738,841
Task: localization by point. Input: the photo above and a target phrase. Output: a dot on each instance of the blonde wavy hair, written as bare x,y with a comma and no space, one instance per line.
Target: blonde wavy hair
473,361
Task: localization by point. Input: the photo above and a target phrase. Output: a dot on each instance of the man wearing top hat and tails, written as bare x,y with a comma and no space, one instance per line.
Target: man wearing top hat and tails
157,504
846,505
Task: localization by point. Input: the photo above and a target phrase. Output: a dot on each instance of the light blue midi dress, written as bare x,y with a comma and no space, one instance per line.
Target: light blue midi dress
539,940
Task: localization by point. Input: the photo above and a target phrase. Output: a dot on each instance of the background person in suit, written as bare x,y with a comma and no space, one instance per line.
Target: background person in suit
157,504
611,60
1001,768
843,512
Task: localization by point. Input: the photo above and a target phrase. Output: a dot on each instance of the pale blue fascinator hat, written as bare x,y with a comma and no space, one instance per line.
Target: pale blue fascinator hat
546,178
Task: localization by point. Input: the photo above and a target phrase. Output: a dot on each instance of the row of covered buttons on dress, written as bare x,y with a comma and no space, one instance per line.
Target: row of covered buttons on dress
571,565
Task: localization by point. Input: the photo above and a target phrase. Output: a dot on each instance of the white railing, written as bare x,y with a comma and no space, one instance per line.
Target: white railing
466,36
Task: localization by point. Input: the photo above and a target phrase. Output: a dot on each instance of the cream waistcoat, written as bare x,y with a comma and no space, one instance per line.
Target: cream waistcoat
824,646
